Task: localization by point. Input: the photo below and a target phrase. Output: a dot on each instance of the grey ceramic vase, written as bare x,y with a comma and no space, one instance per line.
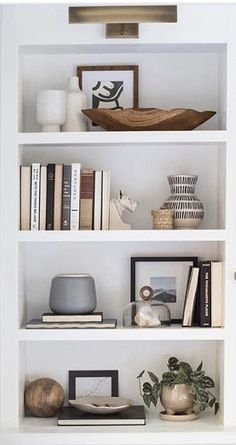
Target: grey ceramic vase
73,294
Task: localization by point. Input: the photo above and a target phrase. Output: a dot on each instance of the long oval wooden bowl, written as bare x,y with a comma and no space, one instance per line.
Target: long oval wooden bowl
148,119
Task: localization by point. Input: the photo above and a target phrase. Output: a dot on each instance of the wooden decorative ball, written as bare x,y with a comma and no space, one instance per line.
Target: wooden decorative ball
44,397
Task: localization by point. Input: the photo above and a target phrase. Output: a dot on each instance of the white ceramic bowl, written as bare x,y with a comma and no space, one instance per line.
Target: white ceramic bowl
101,404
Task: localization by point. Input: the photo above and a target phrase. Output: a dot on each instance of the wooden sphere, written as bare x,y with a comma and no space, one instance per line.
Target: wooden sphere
44,397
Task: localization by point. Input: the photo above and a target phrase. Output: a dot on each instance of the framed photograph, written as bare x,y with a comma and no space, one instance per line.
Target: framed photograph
114,87
93,383
167,276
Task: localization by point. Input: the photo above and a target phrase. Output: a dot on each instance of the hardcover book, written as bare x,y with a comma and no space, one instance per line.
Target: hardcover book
49,317
66,198
204,294
43,198
217,309
35,185
75,197
86,199
25,188
58,196
133,415
105,200
37,323
50,197
97,224
190,297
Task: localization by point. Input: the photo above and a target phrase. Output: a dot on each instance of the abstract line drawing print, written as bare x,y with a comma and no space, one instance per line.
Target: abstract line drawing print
107,94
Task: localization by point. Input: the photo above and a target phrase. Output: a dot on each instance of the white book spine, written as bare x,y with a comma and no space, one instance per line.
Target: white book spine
25,186
35,187
43,198
98,201
217,283
106,200
75,196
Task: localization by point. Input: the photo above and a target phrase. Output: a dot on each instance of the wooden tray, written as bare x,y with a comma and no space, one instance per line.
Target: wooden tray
148,119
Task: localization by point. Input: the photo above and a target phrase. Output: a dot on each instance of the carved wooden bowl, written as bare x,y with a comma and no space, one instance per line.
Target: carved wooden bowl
148,119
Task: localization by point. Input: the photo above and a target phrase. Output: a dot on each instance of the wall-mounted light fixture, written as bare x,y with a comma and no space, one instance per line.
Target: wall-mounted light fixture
123,21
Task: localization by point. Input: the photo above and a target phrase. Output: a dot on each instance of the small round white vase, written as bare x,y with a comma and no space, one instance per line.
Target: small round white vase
51,109
76,101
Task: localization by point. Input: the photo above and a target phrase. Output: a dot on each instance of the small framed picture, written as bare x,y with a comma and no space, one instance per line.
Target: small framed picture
114,87
167,276
93,383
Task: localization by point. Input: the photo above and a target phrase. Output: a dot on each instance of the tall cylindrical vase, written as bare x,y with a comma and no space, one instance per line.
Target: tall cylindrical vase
76,101
188,209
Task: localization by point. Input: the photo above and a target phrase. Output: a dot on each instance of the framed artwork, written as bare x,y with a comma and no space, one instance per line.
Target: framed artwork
114,87
93,383
167,276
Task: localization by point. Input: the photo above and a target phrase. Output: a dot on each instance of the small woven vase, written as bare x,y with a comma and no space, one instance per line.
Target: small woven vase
163,219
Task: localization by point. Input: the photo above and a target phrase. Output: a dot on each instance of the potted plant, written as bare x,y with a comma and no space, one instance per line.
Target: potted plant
181,389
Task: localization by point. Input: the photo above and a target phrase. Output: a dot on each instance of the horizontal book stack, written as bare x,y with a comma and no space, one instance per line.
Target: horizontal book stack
64,197
133,415
204,295
73,321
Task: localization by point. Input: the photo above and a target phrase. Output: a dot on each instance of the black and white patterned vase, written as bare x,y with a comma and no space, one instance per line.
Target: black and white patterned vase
188,209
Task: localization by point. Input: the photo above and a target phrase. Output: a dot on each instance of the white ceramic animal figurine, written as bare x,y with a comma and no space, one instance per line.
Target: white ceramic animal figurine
117,207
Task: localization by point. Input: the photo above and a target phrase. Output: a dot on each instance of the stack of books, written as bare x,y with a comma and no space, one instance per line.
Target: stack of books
49,320
133,415
204,295
64,197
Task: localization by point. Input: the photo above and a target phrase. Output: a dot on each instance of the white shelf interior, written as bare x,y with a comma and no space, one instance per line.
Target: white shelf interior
108,263
170,76
141,171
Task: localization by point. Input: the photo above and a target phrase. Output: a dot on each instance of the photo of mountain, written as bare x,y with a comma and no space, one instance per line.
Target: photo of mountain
164,289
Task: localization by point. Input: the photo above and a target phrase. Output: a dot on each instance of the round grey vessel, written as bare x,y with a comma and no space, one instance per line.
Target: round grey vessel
73,294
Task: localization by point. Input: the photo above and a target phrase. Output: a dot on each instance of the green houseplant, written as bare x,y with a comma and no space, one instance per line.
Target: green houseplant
180,390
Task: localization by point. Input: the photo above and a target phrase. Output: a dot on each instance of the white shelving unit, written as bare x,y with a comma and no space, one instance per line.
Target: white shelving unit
181,65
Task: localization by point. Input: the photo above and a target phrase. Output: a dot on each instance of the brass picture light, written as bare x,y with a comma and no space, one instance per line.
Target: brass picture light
123,21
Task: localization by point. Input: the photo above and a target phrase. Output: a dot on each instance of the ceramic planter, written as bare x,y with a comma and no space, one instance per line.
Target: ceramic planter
51,109
177,400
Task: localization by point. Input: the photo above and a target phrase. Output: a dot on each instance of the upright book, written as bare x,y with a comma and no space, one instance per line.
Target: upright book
75,197
86,199
25,189
190,297
43,198
97,218
58,196
50,197
66,198
35,187
217,292
105,200
204,294
133,415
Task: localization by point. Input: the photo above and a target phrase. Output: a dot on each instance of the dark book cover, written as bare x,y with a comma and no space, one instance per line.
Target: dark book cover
66,198
203,300
50,197
133,415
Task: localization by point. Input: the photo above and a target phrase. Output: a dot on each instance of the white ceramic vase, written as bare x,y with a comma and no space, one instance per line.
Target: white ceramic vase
51,109
188,209
76,101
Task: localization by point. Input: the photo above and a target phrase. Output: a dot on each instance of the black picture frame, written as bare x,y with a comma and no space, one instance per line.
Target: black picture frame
193,261
73,375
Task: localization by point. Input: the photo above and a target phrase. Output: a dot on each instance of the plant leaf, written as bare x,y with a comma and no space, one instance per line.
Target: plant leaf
199,368
147,399
147,387
212,401
153,377
216,407
141,374
208,382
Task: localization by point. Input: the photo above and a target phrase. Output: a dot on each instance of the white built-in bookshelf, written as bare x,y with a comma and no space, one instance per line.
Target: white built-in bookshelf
188,64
